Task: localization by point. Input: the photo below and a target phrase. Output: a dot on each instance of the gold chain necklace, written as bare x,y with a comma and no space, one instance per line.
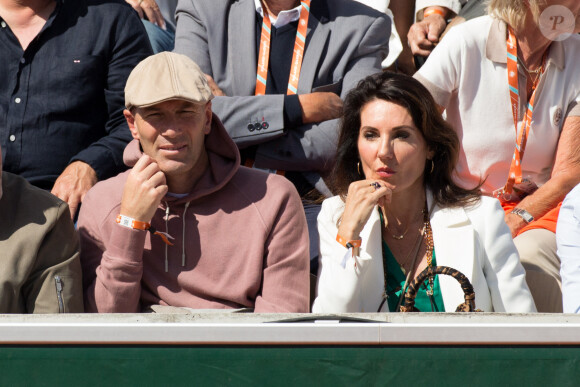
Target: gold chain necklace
401,236
397,237
537,72
425,235
428,237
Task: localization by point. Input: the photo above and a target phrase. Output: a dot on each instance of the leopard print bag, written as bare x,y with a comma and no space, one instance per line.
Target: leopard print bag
467,306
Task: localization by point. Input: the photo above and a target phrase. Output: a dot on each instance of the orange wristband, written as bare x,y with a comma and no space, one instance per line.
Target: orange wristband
348,244
129,222
431,11
132,223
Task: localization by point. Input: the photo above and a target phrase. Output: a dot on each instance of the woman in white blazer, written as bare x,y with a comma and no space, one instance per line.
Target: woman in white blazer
398,211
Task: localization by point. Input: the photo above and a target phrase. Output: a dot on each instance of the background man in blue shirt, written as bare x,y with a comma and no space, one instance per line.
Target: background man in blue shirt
64,65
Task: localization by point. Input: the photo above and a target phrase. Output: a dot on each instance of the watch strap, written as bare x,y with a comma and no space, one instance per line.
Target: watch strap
525,215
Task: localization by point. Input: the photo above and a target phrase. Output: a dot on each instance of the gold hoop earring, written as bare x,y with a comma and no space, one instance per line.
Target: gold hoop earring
358,168
432,166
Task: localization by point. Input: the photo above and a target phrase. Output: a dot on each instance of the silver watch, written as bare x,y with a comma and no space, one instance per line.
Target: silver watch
525,215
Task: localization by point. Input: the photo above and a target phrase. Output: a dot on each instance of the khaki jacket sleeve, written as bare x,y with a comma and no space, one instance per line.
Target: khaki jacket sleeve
55,282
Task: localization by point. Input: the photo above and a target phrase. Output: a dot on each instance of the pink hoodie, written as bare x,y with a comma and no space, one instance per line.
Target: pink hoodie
241,240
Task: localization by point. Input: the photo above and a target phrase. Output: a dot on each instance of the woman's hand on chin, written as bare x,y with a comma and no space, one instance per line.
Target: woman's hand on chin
362,197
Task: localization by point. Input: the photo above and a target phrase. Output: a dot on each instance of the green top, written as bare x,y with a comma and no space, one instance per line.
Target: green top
396,281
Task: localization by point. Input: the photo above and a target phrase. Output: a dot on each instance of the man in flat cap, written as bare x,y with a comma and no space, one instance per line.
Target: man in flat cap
188,226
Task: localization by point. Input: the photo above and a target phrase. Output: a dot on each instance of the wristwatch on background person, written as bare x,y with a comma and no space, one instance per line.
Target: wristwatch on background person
525,215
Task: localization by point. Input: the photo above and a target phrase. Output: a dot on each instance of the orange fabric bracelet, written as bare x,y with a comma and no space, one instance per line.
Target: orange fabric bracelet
132,223
129,222
348,244
431,11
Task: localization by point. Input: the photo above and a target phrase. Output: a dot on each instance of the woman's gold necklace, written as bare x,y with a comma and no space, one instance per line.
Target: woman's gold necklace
395,236
403,264
409,261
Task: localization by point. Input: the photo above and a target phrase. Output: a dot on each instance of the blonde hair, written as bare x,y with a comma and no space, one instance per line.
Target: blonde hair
514,12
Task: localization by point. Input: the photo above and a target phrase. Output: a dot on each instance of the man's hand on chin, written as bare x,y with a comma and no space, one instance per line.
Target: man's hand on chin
73,184
144,189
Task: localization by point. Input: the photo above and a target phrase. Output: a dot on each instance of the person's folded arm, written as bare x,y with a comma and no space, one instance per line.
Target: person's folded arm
312,146
442,73
565,176
452,5
131,45
339,280
111,259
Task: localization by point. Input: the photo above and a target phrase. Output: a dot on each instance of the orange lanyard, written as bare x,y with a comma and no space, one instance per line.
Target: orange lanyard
515,172
264,55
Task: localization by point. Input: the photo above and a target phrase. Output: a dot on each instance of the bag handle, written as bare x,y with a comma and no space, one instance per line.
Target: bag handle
469,293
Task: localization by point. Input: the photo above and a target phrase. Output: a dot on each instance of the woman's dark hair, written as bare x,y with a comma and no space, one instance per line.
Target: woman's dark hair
440,137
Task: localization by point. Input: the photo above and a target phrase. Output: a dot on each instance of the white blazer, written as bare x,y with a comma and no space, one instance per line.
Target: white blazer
474,240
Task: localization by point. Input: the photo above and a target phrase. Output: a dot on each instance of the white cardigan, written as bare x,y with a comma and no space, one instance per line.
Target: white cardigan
475,240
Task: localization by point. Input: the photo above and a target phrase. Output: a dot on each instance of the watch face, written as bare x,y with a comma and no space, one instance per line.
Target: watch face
525,215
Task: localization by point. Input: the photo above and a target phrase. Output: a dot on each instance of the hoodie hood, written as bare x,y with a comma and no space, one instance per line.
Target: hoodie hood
223,162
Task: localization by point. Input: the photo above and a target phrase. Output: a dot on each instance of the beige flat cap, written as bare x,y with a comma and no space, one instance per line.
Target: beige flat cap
163,77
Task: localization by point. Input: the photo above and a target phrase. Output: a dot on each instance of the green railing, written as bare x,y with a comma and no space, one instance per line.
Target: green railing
254,350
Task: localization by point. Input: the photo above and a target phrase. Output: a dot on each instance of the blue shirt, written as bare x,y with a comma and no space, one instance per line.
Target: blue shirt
62,98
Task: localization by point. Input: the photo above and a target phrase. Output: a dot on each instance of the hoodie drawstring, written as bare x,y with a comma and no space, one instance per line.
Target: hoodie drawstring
167,231
182,239
183,236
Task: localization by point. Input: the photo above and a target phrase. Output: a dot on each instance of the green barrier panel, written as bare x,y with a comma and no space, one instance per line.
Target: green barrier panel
289,366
